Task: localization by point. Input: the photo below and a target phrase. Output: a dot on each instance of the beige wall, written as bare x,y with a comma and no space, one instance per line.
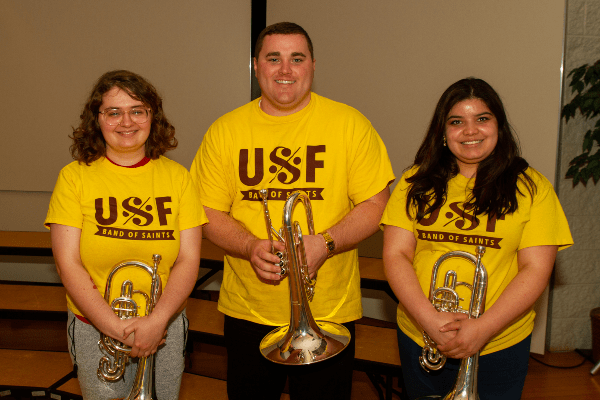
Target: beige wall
195,52
392,59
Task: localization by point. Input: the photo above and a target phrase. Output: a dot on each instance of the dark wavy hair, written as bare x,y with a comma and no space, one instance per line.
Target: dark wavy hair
495,190
283,28
88,141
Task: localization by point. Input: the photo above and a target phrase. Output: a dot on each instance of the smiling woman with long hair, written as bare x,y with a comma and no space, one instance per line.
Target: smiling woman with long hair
469,186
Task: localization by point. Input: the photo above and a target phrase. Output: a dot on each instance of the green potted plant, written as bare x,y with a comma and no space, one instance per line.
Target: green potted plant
585,80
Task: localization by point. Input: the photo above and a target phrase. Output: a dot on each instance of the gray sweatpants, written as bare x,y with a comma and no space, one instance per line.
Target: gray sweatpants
169,364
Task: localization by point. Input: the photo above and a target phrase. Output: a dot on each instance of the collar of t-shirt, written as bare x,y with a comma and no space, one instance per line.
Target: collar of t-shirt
140,163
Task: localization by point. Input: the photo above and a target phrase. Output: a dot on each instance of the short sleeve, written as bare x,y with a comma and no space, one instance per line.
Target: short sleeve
65,203
191,212
547,224
209,172
395,211
370,170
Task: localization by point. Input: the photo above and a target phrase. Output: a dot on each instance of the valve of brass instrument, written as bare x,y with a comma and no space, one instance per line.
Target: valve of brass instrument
270,231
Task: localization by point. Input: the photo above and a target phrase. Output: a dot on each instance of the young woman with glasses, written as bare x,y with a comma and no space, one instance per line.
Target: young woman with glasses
121,199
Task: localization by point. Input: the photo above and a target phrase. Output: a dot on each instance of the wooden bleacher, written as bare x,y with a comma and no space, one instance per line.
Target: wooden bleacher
27,373
21,304
39,244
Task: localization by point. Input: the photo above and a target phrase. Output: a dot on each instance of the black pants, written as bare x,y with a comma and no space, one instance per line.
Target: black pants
501,374
251,376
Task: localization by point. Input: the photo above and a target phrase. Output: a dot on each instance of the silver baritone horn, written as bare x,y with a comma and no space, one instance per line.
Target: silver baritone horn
446,299
112,364
303,340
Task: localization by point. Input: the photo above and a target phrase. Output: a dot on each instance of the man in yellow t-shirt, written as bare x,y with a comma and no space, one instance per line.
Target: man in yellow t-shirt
289,139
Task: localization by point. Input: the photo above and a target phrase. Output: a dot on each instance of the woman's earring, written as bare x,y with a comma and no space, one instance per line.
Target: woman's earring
444,141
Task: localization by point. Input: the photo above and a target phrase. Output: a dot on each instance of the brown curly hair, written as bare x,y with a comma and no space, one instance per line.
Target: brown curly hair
88,141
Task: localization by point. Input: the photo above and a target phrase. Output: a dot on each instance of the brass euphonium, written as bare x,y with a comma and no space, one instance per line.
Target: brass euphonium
446,299
303,340
112,365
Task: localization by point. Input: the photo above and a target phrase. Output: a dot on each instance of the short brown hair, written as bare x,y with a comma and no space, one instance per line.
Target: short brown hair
283,28
88,141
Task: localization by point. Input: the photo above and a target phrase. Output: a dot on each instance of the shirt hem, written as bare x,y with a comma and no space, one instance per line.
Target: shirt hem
257,320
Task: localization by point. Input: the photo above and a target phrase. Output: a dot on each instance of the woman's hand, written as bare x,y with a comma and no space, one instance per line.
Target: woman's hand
144,335
470,337
80,286
535,267
433,326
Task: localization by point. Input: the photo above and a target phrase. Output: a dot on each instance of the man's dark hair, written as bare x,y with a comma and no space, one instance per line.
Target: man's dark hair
283,28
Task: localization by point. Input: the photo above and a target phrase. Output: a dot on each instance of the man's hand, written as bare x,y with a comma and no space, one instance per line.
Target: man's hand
316,253
263,261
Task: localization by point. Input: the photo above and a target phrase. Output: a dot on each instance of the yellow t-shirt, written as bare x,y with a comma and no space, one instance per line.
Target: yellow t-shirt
537,222
126,213
327,149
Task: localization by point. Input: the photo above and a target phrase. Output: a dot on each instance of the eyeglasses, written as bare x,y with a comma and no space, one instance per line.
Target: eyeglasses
114,116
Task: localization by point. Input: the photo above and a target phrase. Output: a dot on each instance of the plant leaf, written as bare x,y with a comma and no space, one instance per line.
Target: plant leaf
587,142
572,171
576,178
596,174
596,135
579,160
585,172
578,73
597,103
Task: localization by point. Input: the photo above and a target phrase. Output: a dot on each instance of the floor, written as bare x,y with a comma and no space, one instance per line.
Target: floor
553,381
